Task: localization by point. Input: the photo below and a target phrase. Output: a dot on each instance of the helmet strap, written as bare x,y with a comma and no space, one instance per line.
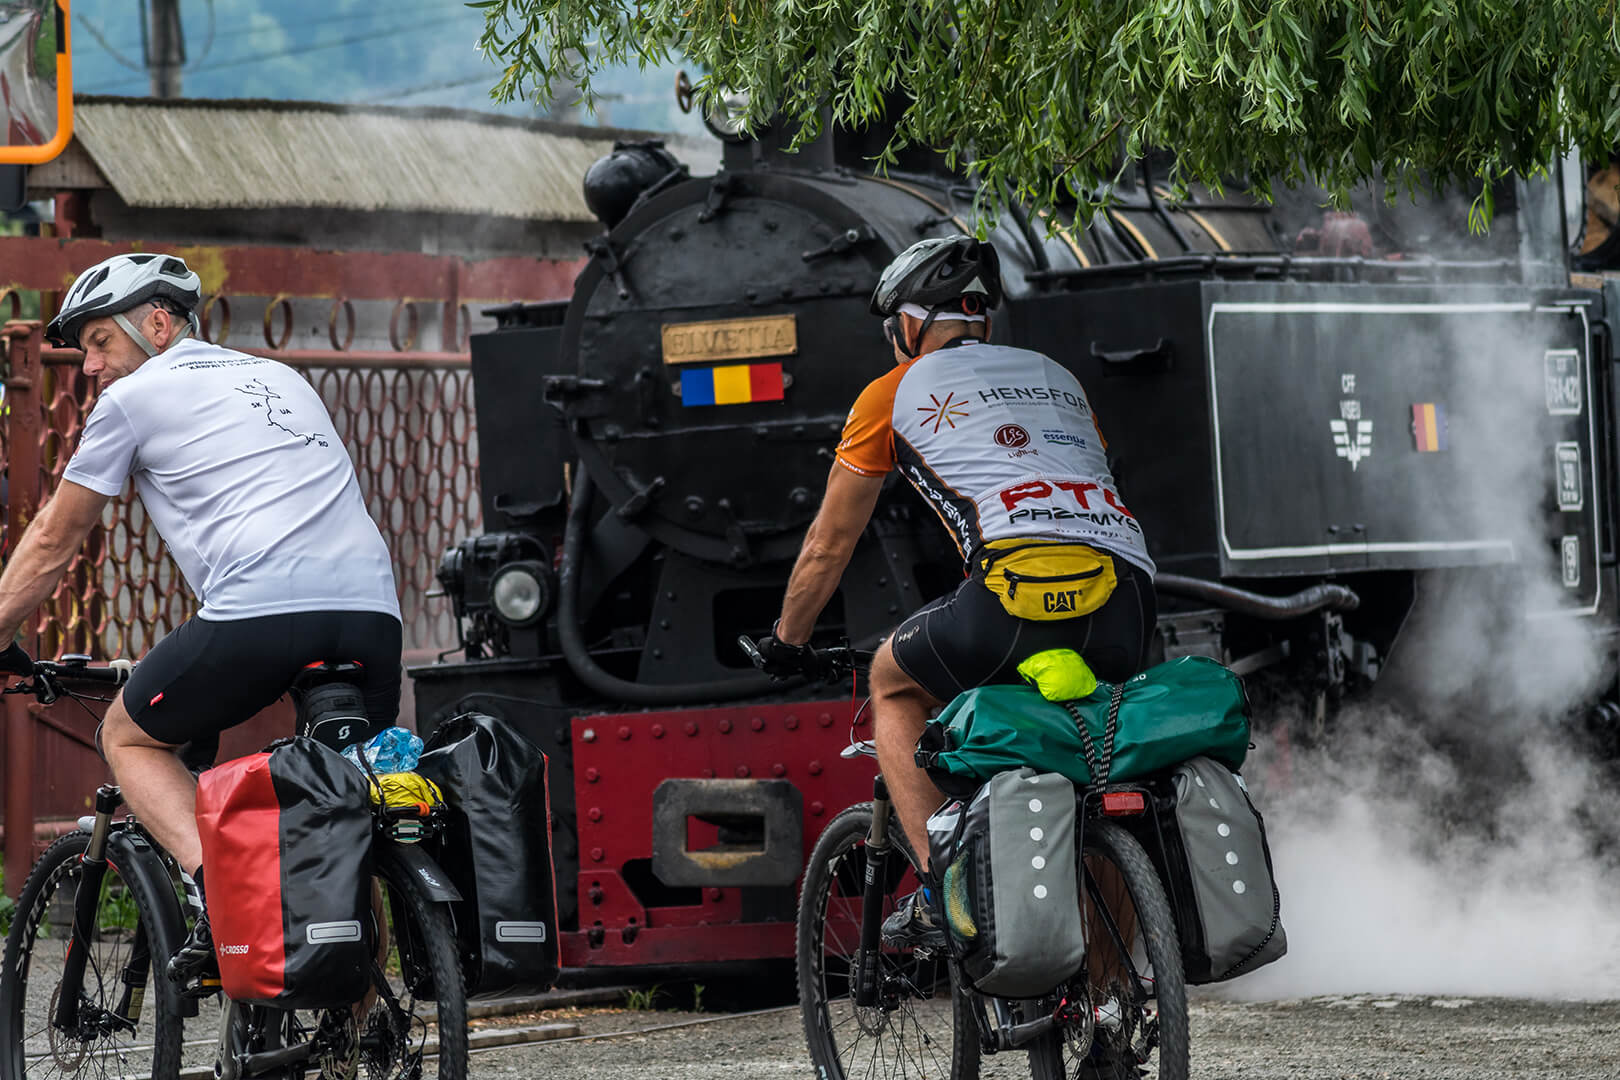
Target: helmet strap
141,339
135,335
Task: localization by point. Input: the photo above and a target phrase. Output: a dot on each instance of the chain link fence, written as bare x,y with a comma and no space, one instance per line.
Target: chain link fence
406,419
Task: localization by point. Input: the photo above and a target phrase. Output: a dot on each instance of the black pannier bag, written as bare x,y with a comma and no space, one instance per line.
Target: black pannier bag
286,840
1216,867
497,850
1007,865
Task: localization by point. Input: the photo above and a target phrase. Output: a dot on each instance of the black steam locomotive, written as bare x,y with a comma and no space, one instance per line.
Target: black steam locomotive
1308,411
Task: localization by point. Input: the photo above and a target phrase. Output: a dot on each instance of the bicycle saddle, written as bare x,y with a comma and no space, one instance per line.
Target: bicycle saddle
331,708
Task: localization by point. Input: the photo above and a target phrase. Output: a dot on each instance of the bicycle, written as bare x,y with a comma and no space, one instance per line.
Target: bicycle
872,1010
83,988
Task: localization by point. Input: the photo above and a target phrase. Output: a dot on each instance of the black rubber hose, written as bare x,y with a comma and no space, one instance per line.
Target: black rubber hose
1336,597
579,656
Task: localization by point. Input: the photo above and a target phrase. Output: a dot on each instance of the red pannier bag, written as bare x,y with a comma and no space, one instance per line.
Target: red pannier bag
286,840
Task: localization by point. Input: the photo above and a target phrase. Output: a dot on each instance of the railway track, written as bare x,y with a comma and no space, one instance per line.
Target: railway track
489,1039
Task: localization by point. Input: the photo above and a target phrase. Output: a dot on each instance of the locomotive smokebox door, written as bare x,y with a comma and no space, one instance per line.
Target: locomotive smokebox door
759,832
716,341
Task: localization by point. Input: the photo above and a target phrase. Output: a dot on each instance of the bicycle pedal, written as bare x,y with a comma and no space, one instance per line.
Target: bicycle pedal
201,987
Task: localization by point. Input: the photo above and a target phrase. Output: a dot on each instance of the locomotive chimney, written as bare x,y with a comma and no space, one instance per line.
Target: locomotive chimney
769,148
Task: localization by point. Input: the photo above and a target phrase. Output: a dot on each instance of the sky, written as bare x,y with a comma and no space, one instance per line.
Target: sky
405,52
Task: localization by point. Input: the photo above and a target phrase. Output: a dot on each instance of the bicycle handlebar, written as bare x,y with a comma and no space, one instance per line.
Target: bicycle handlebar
48,676
837,660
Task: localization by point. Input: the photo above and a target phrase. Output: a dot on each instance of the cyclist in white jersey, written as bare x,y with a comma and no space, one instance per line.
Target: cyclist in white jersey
239,468
1003,444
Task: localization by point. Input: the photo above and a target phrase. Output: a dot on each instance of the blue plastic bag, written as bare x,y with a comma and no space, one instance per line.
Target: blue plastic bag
390,751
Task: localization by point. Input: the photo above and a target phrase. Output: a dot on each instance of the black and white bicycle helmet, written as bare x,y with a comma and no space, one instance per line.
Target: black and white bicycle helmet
938,271
115,285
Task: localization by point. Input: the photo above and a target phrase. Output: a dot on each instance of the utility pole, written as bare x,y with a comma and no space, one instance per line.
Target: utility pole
165,45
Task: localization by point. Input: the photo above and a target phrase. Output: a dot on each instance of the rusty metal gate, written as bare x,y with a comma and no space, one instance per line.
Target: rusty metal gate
406,416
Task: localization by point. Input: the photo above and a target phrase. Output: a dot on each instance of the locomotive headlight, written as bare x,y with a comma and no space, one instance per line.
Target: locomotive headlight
521,592
725,114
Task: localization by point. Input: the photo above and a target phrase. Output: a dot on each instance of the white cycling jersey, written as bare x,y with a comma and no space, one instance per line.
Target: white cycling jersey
237,464
1003,444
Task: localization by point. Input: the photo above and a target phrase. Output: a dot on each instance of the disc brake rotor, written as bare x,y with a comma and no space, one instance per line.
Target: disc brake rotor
67,1050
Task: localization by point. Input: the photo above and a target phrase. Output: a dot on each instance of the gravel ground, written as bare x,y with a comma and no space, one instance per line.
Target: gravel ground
1340,1038
1359,1037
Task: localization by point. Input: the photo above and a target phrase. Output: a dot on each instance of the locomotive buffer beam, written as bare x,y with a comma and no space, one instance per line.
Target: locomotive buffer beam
761,832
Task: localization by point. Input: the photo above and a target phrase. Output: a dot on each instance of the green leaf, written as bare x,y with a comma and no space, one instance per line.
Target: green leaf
1338,93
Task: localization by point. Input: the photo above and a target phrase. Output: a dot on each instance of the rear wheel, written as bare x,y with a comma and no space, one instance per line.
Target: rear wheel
1126,1015
128,1019
413,1023
922,1027
423,959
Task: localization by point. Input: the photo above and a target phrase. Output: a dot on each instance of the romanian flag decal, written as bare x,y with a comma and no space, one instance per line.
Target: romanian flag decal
733,384
1429,426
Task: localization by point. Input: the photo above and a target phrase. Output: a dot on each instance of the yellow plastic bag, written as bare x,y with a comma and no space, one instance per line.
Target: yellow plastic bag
1045,580
401,790
1059,674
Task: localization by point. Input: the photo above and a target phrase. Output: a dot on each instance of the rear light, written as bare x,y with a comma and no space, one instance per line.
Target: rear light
1123,803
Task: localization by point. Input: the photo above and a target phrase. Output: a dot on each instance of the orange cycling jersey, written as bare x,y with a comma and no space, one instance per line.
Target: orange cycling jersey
1002,442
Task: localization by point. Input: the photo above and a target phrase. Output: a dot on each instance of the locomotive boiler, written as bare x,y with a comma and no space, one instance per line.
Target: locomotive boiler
1307,412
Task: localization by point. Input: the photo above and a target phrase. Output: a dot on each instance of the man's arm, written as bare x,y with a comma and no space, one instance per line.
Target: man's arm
49,544
844,512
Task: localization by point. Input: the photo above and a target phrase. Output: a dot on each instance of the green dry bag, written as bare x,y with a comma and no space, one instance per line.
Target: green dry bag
1178,710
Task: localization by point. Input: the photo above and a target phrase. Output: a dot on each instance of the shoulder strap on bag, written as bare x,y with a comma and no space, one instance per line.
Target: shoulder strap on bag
1099,765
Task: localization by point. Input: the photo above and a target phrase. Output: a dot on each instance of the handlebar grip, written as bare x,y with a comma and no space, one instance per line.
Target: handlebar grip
114,674
755,657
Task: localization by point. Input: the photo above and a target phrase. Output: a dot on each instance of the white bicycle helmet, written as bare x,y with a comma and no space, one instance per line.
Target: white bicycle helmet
115,285
937,271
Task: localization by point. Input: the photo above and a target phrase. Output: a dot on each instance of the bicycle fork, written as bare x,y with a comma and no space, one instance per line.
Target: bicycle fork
86,905
878,848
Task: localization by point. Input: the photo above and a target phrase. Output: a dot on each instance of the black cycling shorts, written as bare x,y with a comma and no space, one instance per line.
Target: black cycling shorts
210,675
966,638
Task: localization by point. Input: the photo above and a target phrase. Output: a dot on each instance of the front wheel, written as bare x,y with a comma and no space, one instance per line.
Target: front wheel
128,1018
921,1028
1132,990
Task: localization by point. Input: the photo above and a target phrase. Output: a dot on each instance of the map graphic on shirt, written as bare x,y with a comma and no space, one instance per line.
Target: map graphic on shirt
268,400
261,511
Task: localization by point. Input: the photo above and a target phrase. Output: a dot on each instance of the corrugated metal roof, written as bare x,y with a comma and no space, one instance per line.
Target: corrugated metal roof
277,154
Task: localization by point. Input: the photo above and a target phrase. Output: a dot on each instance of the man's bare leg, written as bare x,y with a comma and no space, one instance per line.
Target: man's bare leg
157,786
899,713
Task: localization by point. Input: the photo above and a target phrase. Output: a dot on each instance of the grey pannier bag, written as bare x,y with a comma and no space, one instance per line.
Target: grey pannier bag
1217,870
1006,861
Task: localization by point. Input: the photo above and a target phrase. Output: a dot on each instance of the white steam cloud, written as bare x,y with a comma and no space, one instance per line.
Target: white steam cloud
1452,836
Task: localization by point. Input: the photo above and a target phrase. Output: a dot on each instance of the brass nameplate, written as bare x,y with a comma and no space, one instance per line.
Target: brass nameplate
730,339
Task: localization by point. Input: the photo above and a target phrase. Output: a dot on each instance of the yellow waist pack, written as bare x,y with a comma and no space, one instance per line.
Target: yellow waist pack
1046,580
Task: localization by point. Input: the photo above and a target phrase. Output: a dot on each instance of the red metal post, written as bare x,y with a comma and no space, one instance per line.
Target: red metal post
450,319
23,384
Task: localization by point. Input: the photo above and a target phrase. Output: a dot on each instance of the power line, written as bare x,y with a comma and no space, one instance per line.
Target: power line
294,50
423,88
84,21
241,31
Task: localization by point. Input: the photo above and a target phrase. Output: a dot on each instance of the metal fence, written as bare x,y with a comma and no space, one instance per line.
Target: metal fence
407,420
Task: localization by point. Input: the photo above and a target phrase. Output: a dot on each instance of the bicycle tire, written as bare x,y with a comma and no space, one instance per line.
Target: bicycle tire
1051,1057
838,861
434,947
22,1027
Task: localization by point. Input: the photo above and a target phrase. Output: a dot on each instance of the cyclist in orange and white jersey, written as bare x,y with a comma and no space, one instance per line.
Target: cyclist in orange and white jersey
1003,444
